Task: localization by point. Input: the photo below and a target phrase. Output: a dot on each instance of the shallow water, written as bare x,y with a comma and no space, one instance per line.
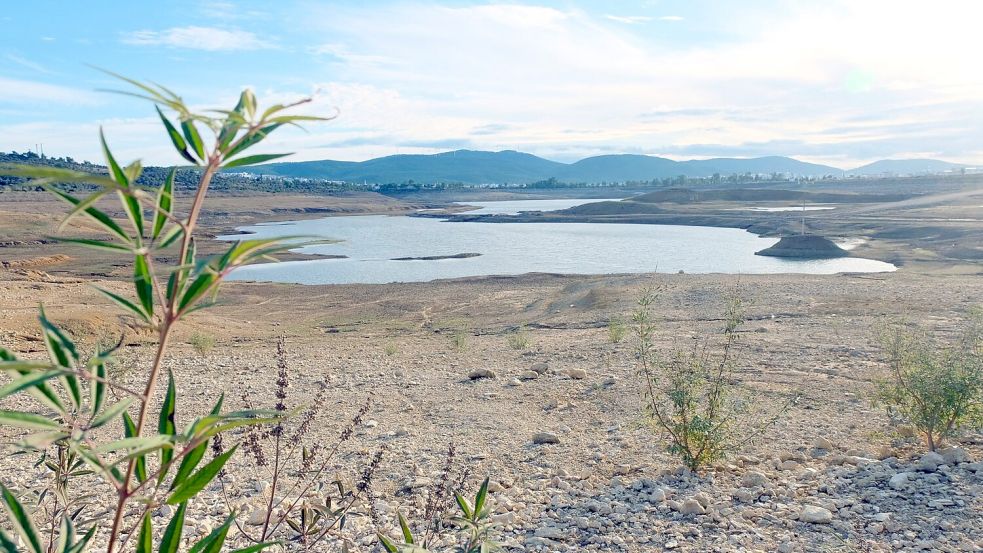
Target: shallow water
372,242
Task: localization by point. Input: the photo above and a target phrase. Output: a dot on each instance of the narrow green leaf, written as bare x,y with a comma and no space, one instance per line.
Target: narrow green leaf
97,244
213,542
257,547
197,289
144,284
130,431
405,527
134,212
114,169
7,544
49,175
21,520
197,481
463,504
66,535
93,213
255,138
110,413
252,160
170,236
83,544
30,380
176,139
98,386
172,534
188,463
125,304
165,421
62,351
27,420
387,544
164,199
194,138
479,499
145,540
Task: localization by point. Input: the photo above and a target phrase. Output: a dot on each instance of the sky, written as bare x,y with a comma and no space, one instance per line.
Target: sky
841,82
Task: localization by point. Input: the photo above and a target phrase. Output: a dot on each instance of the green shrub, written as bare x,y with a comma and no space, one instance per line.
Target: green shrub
460,340
935,387
518,338
474,523
151,461
202,343
616,330
391,349
692,395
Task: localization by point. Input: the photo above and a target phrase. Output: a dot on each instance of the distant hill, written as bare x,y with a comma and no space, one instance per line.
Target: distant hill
905,167
511,167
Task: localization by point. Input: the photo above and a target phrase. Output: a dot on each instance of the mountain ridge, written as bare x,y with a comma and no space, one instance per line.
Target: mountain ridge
513,167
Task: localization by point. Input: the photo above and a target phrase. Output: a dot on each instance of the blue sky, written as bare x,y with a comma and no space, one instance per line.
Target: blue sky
833,81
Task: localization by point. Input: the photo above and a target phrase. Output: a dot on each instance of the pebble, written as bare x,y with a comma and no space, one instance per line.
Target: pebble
481,373
815,515
545,438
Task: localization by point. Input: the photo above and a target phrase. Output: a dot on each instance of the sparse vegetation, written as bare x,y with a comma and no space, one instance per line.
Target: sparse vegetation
474,524
153,463
616,330
391,349
692,396
202,343
518,339
935,387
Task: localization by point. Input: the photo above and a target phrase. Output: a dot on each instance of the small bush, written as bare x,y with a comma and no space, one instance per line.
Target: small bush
616,330
692,395
518,339
391,349
202,343
474,524
935,387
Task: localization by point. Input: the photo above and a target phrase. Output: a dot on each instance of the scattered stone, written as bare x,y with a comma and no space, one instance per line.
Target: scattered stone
930,462
899,481
815,515
577,374
539,368
753,479
822,443
692,507
478,374
954,455
529,375
545,438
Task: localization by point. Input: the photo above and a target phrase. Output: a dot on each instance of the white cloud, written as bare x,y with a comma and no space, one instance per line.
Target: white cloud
16,91
671,18
198,38
629,19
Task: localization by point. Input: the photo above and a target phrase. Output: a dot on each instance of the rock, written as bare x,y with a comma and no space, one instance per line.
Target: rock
622,470
513,382
478,374
788,465
550,532
815,515
954,455
495,486
257,517
539,368
703,499
545,438
529,375
822,443
577,374
899,481
657,496
753,479
692,507
371,423
930,462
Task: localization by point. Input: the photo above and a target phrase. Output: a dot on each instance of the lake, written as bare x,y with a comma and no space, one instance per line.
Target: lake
372,242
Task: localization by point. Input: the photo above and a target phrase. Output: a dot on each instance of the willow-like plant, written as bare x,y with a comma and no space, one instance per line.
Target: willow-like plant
152,462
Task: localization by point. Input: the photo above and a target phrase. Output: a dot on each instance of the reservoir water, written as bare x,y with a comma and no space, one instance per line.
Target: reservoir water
372,242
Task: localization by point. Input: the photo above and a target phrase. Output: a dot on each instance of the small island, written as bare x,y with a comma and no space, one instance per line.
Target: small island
804,246
437,257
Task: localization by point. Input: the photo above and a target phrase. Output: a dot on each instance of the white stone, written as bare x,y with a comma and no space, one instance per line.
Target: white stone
899,481
815,515
692,507
930,461
577,374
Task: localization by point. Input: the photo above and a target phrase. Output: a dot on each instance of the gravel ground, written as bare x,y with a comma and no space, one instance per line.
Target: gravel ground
832,475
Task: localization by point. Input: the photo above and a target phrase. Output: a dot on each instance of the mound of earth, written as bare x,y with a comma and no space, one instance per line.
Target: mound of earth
804,246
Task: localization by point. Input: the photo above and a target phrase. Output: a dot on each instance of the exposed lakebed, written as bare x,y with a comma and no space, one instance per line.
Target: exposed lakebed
377,248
